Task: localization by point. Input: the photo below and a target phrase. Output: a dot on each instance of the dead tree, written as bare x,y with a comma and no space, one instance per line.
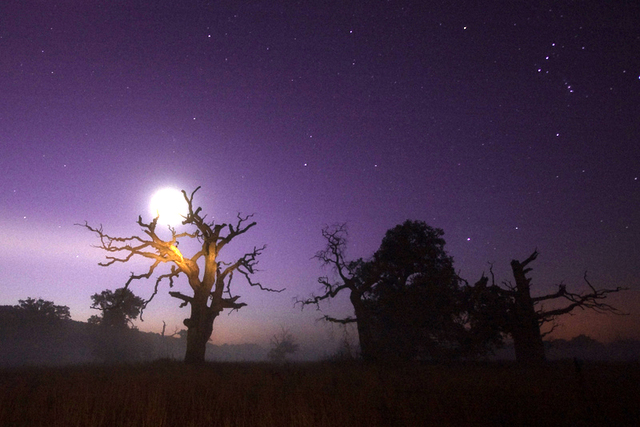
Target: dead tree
525,314
350,279
209,278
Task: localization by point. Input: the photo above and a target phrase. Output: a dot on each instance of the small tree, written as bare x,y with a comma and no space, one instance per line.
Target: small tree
118,308
208,276
282,344
519,314
113,340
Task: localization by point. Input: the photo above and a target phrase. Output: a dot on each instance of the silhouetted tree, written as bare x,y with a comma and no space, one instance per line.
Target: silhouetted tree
519,314
417,297
282,344
352,277
408,300
119,308
113,340
43,310
486,313
34,331
211,287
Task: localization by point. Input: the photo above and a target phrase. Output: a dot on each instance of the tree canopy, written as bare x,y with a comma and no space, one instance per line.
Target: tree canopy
118,308
417,300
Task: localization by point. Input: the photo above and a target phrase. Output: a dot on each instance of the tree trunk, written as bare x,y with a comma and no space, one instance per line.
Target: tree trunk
527,340
368,350
199,329
528,344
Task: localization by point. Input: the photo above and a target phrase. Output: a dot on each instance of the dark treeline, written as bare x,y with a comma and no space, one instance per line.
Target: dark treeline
410,304
408,301
28,340
38,332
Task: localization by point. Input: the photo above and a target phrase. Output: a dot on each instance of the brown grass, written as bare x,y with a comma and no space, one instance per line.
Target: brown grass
321,394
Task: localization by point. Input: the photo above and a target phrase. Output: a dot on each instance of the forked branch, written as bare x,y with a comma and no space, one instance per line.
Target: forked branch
592,300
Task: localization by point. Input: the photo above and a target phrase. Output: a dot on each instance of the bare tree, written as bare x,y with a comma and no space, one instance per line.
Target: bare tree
282,344
166,353
211,287
525,315
350,279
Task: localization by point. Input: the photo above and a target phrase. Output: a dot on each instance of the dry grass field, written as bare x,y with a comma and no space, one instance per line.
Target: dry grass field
166,393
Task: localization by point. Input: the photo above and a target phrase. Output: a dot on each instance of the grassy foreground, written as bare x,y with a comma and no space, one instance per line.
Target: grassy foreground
320,394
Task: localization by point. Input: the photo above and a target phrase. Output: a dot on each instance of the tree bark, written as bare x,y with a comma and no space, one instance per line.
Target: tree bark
527,343
368,349
199,329
527,340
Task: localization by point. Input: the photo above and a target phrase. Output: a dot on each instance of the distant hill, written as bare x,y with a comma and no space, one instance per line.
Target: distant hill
584,348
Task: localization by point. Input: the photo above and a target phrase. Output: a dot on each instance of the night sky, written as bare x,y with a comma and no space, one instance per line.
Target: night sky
510,125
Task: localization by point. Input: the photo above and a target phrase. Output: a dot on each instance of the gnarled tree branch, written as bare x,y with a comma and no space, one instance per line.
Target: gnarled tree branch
208,288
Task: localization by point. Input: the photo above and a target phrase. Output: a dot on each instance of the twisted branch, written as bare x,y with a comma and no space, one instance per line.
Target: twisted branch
209,234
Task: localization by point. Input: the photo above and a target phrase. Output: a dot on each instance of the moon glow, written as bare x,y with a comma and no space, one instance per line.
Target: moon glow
169,205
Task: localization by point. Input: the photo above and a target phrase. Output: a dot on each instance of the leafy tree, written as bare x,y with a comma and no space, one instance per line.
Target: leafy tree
208,276
417,298
515,312
43,310
282,344
407,298
112,339
119,308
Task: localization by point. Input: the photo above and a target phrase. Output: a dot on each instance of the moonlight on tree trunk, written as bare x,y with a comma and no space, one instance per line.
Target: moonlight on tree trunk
209,277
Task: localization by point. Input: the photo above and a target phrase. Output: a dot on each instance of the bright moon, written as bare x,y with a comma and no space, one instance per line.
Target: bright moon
169,204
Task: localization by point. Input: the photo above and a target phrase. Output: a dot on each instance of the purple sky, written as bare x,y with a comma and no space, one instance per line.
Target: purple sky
512,127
